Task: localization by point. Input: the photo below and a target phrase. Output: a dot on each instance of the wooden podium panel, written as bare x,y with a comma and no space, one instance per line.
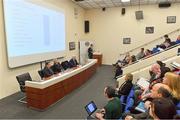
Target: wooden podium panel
99,58
42,98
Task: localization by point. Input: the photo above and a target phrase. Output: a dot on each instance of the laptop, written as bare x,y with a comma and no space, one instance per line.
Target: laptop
91,109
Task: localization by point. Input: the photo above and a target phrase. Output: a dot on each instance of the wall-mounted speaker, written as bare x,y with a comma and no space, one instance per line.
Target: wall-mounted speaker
139,15
86,26
164,4
123,11
103,9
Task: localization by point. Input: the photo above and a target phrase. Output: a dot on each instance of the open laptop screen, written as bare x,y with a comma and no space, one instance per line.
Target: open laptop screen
90,108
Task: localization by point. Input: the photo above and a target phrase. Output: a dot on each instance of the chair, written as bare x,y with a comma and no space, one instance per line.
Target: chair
178,108
129,101
41,73
21,80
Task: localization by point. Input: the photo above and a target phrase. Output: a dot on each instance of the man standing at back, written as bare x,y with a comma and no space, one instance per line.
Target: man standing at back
113,109
90,51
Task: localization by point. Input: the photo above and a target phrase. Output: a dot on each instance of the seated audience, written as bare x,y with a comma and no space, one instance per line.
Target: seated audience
148,53
155,72
118,71
125,88
133,58
162,108
48,73
178,40
73,62
166,43
173,81
163,68
125,61
141,54
56,67
113,108
159,90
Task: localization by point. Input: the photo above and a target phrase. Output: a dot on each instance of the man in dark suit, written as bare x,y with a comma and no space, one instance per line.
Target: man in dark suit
90,51
47,71
56,67
73,62
65,65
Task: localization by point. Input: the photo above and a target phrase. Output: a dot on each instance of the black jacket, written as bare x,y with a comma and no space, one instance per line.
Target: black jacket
73,62
56,68
90,53
47,72
125,88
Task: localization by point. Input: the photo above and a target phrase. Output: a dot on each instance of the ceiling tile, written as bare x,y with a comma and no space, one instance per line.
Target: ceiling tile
91,4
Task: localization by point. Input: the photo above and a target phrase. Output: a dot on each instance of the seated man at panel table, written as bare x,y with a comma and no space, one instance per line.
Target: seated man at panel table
47,71
73,62
113,109
56,67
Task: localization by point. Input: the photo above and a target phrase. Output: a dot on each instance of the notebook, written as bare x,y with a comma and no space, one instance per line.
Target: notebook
140,107
91,109
142,82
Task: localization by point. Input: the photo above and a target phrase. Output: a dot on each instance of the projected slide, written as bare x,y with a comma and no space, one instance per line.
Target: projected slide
33,30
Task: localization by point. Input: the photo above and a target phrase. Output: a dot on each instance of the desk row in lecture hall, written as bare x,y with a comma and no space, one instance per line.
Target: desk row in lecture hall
41,95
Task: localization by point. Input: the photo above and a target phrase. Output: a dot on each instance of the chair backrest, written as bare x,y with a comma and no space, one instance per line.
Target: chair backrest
129,100
21,80
178,108
41,73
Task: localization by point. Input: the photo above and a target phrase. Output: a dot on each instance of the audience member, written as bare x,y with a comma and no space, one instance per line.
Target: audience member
133,58
148,53
141,54
173,81
155,72
73,62
166,43
118,71
56,67
162,108
159,90
113,109
163,68
48,73
90,51
125,88
178,39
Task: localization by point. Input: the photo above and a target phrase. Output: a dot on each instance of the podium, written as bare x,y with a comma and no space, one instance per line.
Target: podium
98,56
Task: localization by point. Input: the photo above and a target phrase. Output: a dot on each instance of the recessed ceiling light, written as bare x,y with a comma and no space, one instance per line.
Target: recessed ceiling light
125,0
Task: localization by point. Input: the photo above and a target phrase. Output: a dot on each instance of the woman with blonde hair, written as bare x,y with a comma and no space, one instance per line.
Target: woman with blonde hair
173,81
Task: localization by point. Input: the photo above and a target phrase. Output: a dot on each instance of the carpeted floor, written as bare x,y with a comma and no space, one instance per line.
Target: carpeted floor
70,107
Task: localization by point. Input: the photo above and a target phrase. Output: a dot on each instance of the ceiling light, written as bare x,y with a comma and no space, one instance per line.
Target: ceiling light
125,0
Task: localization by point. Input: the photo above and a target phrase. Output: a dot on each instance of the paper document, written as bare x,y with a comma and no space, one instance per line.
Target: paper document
143,83
175,64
